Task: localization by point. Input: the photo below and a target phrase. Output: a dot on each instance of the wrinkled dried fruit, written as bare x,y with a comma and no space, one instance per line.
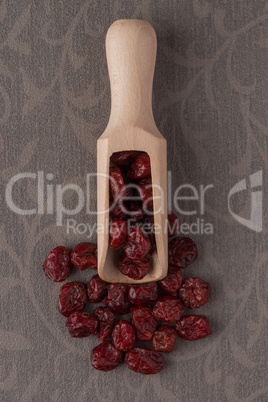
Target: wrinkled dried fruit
168,309
182,251
81,325
96,289
194,292
134,210
124,158
57,266
143,321
140,167
193,327
172,282
106,357
173,224
144,361
117,211
73,296
142,294
138,244
133,269
123,336
164,339
84,256
117,298
117,184
106,319
118,234
146,193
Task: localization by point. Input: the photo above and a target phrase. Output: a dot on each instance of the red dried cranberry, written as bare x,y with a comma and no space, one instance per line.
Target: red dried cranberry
117,298
142,294
96,289
144,361
145,192
81,325
168,309
106,320
57,266
193,327
117,211
133,269
84,256
144,322
124,158
118,234
182,251
123,336
106,357
194,292
140,167
134,210
172,282
117,184
164,339
138,244
73,296
173,224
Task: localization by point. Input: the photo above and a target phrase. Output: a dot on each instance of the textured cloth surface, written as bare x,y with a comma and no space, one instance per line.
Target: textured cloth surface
210,102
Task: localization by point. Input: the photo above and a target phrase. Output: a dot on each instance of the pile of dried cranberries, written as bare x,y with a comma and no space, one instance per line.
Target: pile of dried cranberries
156,309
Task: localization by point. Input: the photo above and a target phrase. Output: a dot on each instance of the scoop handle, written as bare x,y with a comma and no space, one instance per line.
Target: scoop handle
131,52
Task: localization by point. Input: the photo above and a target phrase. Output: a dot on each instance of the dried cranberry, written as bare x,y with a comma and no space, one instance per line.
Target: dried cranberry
106,320
106,357
164,339
173,224
145,192
124,158
168,309
143,321
84,256
140,167
117,184
193,327
142,294
117,298
138,244
194,292
133,269
96,289
182,251
81,325
123,336
73,296
134,210
57,266
172,282
118,234
144,361
117,211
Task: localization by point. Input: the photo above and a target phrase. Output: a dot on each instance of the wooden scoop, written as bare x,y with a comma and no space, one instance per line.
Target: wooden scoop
131,51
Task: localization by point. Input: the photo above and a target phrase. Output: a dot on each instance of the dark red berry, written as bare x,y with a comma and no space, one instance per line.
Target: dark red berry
57,266
106,320
172,282
138,244
106,357
134,210
193,327
168,309
124,158
144,361
164,339
118,234
117,298
73,296
123,336
142,294
194,292
117,211
133,269
140,167
84,256
145,192
96,289
144,322
117,184
182,251
173,224
81,324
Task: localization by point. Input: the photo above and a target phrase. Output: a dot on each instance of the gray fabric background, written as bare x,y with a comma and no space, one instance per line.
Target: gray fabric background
210,102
